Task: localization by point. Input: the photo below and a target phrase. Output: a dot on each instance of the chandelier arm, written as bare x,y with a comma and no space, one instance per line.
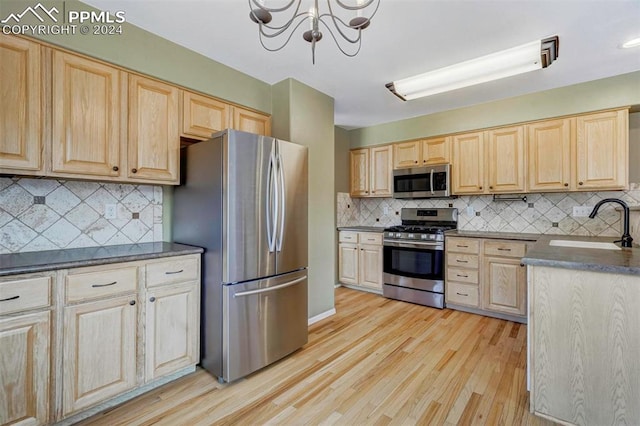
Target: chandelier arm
274,9
346,6
284,44
337,20
280,29
344,52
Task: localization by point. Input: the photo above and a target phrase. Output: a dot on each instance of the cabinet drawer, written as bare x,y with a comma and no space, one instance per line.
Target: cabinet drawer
469,276
24,294
348,237
462,260
370,238
92,285
463,245
504,248
463,294
172,270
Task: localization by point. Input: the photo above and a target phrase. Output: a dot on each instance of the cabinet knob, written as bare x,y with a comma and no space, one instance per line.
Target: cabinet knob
424,161
580,183
134,170
366,192
133,302
480,187
115,168
491,187
152,299
373,192
416,161
566,184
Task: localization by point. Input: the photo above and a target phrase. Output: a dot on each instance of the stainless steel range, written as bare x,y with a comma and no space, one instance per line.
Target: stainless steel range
414,256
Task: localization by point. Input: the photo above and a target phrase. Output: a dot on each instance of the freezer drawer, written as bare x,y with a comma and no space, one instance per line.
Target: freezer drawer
263,321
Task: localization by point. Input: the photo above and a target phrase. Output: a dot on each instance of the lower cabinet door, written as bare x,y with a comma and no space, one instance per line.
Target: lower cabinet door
505,286
24,369
173,328
99,351
348,263
371,266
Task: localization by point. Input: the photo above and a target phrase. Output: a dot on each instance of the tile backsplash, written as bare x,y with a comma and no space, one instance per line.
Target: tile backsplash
48,214
549,213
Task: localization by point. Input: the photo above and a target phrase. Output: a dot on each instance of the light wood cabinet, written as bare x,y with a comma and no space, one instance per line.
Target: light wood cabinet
584,346
21,116
154,136
25,347
99,351
549,155
371,172
468,163
360,259
359,168
421,152
202,116
86,125
486,275
172,332
506,160
250,121
406,154
602,150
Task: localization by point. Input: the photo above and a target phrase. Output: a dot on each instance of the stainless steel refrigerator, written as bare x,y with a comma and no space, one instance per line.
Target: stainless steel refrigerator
243,197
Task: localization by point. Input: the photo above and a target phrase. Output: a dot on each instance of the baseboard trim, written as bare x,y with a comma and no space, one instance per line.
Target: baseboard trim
321,316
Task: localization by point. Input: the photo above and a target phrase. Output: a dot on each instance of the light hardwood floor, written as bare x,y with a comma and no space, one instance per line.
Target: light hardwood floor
377,361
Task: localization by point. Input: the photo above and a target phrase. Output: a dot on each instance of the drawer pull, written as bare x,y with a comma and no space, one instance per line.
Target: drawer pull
462,276
371,239
174,272
462,261
10,298
462,246
103,285
152,299
133,302
462,294
503,249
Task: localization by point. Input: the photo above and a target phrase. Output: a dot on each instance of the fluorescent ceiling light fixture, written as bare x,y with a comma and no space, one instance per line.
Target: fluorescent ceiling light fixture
631,43
517,60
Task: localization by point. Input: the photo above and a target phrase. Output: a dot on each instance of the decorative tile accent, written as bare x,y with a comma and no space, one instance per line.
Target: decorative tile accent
537,216
72,215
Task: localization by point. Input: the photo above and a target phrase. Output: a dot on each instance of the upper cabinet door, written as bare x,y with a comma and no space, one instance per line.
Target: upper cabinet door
252,122
21,113
436,150
359,159
505,152
202,116
549,155
406,154
154,135
86,117
468,163
602,149
381,181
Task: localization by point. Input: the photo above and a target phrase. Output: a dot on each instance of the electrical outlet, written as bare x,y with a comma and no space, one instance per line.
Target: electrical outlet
582,211
385,210
471,211
110,211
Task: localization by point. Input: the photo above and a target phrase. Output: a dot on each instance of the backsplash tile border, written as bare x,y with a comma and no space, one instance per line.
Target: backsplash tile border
49,214
545,213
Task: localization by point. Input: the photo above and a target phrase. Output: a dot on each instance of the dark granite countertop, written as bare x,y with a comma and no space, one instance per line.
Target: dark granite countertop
38,261
624,261
496,235
361,228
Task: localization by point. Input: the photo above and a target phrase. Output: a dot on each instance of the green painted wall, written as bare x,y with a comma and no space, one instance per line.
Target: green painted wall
342,160
634,147
306,116
142,51
622,90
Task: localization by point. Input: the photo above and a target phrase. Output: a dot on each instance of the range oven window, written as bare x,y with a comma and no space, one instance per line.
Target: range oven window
413,262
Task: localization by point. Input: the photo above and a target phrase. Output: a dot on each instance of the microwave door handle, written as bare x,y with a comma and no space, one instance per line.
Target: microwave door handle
431,183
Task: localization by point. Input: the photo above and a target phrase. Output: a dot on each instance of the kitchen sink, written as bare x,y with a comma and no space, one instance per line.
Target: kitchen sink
584,244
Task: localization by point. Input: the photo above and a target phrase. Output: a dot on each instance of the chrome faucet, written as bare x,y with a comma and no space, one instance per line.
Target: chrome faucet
626,237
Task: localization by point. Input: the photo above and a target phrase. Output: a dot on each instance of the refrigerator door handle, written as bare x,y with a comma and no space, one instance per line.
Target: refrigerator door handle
271,215
268,289
283,201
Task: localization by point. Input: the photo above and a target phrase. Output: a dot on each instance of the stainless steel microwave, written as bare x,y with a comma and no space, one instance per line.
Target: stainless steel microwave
422,182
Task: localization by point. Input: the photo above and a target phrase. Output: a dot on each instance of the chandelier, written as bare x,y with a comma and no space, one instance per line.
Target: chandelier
347,36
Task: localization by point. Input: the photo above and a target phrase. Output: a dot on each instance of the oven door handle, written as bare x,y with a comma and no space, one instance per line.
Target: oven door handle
435,245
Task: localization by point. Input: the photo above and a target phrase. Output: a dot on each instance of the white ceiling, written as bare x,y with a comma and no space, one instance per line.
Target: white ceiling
406,37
